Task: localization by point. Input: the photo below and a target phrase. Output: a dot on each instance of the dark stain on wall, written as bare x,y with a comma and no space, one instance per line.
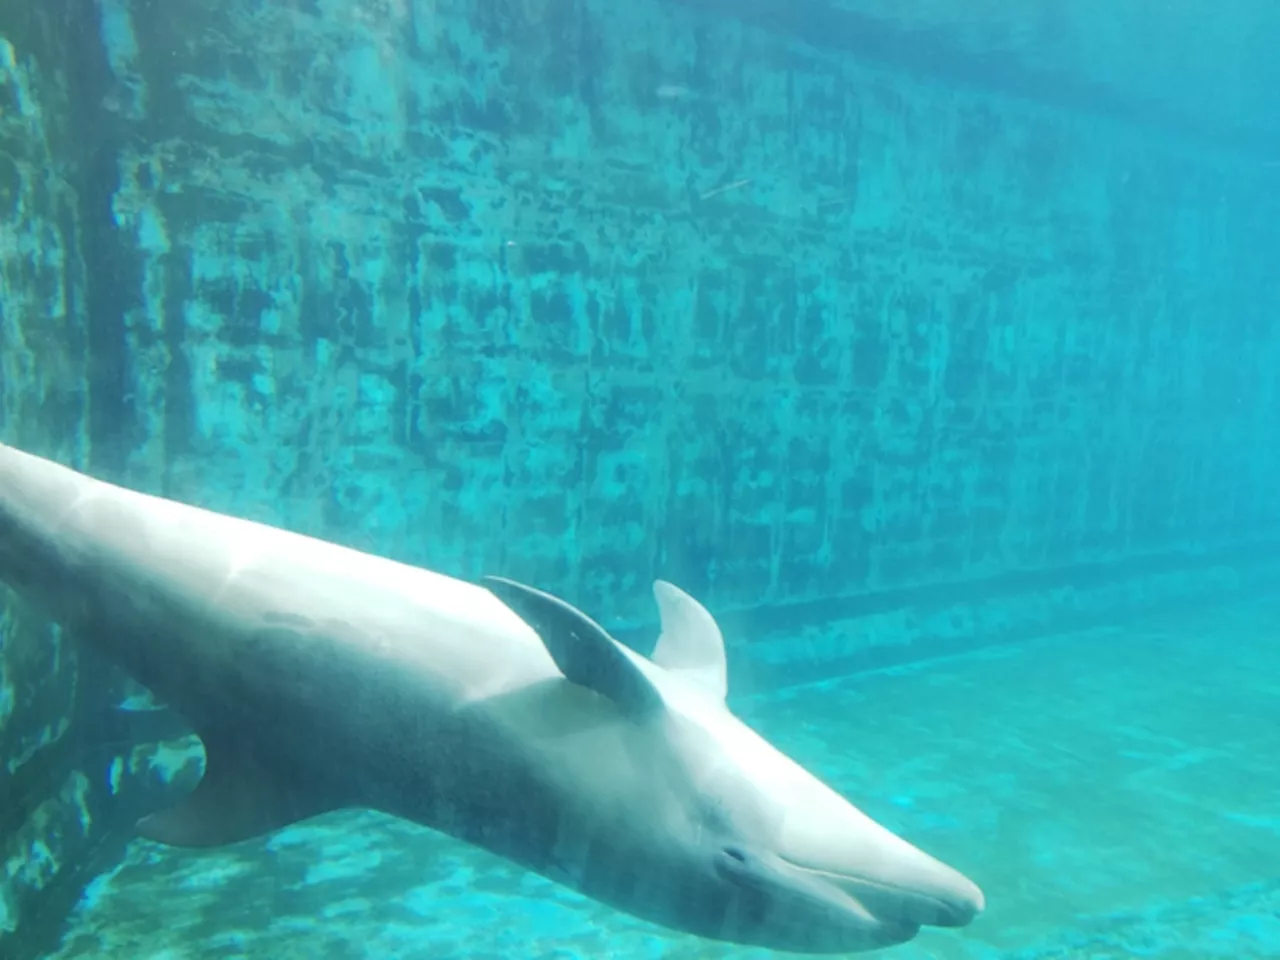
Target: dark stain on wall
112,278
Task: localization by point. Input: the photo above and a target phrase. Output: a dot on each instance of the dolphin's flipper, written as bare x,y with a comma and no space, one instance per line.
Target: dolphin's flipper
581,648
690,644
235,800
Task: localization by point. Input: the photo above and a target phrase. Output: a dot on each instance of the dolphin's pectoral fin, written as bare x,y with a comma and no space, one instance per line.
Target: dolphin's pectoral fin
237,799
690,644
581,648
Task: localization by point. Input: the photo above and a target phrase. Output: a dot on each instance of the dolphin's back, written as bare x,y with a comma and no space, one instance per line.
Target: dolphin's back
34,495
64,535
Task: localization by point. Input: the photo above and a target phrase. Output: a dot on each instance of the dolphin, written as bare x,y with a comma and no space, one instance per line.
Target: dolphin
319,677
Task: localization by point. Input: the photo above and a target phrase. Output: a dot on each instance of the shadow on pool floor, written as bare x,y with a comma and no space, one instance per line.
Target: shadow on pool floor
1115,793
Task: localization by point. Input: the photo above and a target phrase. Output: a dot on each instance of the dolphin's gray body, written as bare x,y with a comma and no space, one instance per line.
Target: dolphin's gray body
319,677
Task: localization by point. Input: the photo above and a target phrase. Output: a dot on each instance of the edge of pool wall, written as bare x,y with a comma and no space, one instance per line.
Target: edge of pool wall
781,646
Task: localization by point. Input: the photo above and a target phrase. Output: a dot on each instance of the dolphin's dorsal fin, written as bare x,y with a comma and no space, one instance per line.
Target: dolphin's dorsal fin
580,647
236,799
690,644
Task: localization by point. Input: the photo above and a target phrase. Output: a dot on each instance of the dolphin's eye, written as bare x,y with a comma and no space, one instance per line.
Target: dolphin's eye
738,866
735,853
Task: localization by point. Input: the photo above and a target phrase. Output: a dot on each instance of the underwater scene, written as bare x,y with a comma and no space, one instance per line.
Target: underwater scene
671,480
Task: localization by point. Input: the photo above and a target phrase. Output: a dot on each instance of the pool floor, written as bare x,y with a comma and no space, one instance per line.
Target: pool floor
1116,793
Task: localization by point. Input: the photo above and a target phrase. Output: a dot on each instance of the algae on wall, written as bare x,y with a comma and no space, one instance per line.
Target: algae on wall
586,295
42,334
63,761
42,373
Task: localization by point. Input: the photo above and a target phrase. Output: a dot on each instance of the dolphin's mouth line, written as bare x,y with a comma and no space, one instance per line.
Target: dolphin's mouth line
880,885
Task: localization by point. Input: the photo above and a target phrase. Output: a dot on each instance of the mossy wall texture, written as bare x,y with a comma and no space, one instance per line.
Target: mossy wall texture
586,293
69,769
42,373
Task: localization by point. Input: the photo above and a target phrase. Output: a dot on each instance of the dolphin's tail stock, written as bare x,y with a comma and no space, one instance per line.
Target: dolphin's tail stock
39,560
35,494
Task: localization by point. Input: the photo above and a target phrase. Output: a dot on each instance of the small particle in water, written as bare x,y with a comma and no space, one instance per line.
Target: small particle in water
736,185
672,91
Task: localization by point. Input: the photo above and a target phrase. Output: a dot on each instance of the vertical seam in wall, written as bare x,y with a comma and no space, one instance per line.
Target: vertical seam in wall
108,275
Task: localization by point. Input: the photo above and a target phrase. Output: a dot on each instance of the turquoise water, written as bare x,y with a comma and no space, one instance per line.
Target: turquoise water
932,346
